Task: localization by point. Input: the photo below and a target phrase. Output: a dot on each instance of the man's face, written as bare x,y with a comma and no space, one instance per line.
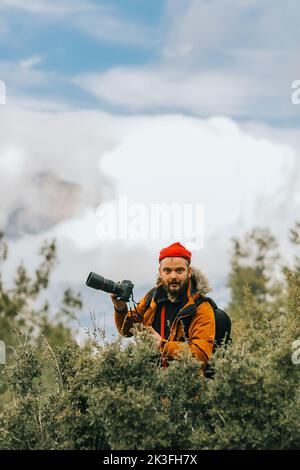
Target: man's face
174,273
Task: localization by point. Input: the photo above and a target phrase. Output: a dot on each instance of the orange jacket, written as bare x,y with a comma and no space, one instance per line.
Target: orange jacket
194,323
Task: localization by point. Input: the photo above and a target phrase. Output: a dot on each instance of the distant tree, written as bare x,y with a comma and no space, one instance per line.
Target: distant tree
255,266
19,313
115,395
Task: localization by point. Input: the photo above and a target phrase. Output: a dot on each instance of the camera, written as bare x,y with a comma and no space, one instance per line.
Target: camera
122,289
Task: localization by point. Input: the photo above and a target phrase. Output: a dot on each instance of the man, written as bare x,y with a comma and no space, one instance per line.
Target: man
170,309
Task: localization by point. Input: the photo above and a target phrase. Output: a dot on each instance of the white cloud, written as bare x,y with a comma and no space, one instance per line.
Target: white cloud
31,62
19,74
59,154
241,180
54,7
200,30
12,162
216,58
244,176
34,104
99,20
108,26
164,88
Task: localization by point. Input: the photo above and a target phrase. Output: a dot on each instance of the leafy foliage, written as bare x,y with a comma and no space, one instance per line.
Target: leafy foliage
23,318
115,395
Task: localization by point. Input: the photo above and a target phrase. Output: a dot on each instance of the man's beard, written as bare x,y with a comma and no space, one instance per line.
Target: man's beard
177,292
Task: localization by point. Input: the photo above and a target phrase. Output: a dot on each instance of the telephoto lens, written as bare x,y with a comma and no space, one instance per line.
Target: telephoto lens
122,289
98,282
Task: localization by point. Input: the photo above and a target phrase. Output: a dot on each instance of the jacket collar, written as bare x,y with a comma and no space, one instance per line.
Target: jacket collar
191,294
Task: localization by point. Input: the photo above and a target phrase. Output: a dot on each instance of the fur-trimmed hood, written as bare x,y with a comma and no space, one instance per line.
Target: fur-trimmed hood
193,326
199,281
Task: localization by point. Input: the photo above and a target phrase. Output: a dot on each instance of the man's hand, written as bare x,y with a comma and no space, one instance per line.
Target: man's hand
119,304
156,337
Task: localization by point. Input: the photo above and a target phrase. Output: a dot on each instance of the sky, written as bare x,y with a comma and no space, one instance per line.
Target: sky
158,102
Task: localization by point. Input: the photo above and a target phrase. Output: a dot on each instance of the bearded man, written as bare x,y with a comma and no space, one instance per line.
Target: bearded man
173,309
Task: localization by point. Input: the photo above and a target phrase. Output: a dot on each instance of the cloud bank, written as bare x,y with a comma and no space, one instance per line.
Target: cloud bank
56,168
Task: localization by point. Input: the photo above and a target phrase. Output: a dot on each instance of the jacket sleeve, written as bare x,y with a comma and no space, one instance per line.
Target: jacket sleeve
201,336
124,321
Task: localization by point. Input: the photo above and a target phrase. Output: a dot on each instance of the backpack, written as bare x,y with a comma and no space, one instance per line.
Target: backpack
222,320
223,331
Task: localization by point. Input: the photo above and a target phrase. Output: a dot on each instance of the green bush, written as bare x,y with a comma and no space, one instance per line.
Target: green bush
116,396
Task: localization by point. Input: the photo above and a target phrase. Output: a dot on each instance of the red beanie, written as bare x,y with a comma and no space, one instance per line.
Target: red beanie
176,249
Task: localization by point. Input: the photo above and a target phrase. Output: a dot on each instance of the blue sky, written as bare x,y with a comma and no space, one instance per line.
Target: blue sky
233,59
67,49
97,92
63,48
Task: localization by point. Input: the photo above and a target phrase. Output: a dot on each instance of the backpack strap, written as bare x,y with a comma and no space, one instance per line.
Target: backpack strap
203,298
149,298
222,320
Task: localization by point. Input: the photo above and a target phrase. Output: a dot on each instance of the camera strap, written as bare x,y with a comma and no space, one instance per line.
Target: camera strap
138,314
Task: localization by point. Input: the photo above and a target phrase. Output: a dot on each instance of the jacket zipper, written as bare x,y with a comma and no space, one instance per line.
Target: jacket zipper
176,320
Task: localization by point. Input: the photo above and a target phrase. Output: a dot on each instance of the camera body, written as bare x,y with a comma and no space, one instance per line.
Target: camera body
122,289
